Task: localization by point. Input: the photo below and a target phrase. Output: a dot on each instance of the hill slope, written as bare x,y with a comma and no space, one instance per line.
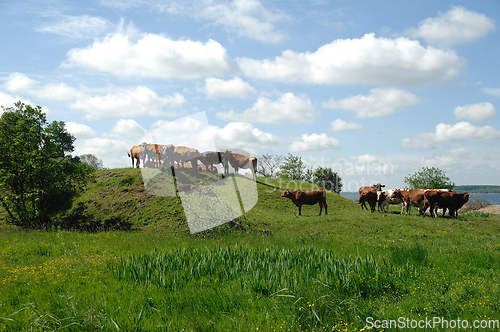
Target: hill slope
118,199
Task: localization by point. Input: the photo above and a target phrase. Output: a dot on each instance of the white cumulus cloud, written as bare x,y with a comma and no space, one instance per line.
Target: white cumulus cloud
128,127
456,26
242,135
341,125
314,142
128,102
289,108
476,112
366,60
459,132
152,56
380,102
19,82
234,88
79,130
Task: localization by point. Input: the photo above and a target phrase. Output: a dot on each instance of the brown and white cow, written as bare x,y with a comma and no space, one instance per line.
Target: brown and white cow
369,194
390,197
238,161
307,197
416,198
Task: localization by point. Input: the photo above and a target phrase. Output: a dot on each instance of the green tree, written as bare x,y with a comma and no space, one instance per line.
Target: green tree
92,160
38,177
295,168
429,178
328,179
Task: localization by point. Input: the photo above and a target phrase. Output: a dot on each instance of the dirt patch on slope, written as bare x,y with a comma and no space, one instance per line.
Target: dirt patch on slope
490,209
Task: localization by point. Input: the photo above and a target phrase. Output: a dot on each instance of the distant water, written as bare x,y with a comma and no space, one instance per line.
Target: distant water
493,198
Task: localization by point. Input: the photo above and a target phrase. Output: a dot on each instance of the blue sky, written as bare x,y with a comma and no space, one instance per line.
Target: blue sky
373,89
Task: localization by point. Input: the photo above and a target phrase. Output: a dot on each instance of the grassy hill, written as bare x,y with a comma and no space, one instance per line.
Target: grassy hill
144,271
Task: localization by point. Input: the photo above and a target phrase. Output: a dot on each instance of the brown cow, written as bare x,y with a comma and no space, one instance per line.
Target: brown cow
308,197
451,200
167,154
240,161
137,152
369,194
209,158
152,151
432,196
184,154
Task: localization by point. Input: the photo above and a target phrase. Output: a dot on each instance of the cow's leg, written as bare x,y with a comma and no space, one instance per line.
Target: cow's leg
326,207
300,210
320,207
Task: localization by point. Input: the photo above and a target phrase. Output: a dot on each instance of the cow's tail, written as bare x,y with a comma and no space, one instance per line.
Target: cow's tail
128,154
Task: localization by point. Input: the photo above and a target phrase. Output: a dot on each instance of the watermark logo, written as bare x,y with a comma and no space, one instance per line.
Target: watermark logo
181,158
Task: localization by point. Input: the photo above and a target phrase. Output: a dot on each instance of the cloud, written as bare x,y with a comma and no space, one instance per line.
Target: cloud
77,27
456,26
459,132
235,88
128,102
289,108
112,152
7,101
128,127
313,142
19,82
476,112
242,135
495,92
341,125
79,130
367,60
151,56
247,18
380,102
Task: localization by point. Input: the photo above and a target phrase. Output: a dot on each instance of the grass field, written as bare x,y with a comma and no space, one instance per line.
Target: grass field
138,268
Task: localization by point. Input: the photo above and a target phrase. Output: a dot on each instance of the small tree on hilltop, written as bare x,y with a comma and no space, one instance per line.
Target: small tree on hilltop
429,178
92,160
38,177
328,179
295,168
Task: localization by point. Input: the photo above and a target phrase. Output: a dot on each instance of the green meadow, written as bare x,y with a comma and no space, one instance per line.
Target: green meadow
124,260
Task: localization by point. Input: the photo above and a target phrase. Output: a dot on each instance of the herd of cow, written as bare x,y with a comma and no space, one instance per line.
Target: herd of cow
160,156
433,199
445,199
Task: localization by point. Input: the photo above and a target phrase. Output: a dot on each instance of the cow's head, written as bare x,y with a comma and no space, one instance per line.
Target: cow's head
379,186
288,194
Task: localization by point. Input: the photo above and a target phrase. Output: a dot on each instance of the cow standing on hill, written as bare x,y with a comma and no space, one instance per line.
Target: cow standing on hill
369,194
238,161
137,152
307,197
184,154
209,158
